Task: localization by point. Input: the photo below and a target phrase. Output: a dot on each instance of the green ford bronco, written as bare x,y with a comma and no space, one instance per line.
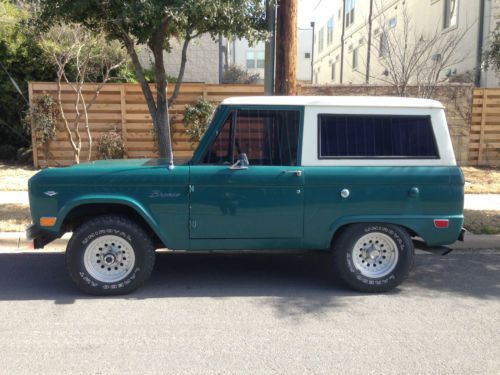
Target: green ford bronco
364,178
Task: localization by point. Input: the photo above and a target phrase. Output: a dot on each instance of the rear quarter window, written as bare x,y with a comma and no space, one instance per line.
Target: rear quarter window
376,137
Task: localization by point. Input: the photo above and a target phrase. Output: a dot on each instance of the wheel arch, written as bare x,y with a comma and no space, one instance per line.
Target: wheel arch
75,212
341,225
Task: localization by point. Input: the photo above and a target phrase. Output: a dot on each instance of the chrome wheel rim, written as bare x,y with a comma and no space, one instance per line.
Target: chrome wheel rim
109,258
375,255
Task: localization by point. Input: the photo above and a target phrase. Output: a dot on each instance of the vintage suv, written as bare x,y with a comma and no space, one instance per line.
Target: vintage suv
357,176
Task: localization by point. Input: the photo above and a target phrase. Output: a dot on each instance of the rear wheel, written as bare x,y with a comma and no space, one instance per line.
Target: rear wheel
372,257
110,255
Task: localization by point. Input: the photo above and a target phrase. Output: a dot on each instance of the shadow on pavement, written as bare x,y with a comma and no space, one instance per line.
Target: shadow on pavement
473,273
302,283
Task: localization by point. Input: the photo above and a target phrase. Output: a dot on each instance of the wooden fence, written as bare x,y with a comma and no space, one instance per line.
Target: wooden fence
123,107
484,140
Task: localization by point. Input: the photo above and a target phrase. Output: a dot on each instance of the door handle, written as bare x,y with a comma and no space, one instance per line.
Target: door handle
298,173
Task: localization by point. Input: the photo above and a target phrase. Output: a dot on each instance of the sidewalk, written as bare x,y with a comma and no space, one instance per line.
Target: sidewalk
472,201
14,197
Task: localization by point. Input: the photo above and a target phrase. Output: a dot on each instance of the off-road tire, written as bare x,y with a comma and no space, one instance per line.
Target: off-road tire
344,252
111,225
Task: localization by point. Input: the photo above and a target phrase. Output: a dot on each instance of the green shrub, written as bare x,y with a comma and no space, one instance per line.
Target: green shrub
22,60
235,74
25,155
8,152
197,118
43,115
110,146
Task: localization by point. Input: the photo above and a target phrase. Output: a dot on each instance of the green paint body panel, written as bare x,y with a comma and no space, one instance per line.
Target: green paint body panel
202,207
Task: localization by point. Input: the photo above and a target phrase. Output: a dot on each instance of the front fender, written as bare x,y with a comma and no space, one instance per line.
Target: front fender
103,199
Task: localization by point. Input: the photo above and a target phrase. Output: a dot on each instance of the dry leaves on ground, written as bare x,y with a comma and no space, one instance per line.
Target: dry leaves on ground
14,217
15,177
481,180
482,222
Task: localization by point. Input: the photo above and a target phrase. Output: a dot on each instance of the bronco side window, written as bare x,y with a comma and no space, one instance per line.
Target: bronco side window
221,149
375,136
267,137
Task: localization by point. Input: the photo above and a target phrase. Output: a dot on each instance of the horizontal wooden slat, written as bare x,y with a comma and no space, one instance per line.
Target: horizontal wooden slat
133,122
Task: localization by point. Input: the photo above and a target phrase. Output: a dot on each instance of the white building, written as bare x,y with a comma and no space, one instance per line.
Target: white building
202,60
206,58
252,58
351,36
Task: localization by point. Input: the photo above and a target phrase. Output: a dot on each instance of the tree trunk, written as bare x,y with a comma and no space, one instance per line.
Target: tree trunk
161,119
286,48
181,70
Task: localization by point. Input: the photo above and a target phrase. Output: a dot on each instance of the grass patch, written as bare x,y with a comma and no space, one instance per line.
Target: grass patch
15,177
14,217
482,222
481,180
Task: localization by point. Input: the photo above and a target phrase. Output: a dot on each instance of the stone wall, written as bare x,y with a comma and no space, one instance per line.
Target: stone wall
457,100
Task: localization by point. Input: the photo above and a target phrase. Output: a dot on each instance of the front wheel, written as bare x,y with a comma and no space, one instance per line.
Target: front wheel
110,255
373,257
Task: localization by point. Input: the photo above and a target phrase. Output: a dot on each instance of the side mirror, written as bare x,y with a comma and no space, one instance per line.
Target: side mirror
242,162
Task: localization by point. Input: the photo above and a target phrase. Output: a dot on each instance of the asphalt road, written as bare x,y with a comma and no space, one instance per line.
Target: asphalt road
253,314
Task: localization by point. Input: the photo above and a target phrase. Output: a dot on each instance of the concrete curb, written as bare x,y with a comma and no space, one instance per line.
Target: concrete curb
478,241
18,241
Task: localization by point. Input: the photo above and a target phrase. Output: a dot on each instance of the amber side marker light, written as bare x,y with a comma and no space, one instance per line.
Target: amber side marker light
48,221
441,223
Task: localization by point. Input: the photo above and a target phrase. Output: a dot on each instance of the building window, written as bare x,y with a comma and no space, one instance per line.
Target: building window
383,47
349,12
261,60
333,71
255,59
321,39
376,136
250,60
450,13
392,22
355,59
307,55
329,31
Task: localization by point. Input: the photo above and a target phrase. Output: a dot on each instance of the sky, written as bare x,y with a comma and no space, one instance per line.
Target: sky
304,16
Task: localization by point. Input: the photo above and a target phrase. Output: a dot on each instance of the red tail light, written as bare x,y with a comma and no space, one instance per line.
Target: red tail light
441,223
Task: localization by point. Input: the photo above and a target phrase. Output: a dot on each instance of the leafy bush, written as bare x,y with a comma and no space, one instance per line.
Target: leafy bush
25,155
43,115
235,74
491,58
110,146
22,60
8,152
197,118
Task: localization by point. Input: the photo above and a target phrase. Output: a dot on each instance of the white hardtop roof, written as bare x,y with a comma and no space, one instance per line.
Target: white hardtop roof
335,101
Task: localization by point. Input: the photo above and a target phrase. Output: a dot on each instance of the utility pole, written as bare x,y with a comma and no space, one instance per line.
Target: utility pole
286,48
270,46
